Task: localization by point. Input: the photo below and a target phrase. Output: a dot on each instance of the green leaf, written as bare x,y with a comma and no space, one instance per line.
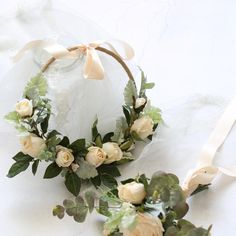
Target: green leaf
103,208
17,168
12,117
95,132
130,93
201,188
59,211
65,142
35,166
78,145
127,113
126,145
37,86
20,156
149,85
44,124
109,169
52,171
73,183
90,199
52,134
86,171
96,181
154,113
98,141
121,126
109,181
108,137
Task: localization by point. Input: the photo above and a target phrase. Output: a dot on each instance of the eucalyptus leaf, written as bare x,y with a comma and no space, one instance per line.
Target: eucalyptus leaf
59,211
86,170
90,199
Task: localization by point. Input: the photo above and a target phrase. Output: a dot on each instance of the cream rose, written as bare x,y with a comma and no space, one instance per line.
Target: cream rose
139,102
143,127
113,151
132,192
32,145
64,156
96,156
24,108
147,225
202,175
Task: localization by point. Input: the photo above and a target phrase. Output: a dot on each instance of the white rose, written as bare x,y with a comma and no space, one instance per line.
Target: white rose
113,151
96,156
32,145
147,225
132,192
201,175
143,127
139,102
24,108
64,156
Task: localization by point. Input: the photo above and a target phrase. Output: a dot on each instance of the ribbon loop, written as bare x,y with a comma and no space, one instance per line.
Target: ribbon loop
205,171
93,68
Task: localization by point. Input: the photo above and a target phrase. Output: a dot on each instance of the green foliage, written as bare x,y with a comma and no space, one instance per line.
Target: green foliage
127,112
86,171
185,228
22,162
73,183
200,188
165,187
37,86
144,85
52,171
130,93
35,166
78,208
12,117
90,199
59,211
108,180
110,169
154,113
78,146
108,137
103,208
124,218
119,134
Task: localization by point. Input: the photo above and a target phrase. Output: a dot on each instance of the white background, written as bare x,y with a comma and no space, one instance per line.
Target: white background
185,46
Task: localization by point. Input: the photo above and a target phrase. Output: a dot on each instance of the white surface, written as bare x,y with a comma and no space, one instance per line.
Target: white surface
186,47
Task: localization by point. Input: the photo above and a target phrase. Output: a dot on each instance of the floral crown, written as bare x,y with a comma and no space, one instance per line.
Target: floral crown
97,159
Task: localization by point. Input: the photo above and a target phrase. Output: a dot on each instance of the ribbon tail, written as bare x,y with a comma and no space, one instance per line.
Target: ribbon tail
230,171
93,68
128,51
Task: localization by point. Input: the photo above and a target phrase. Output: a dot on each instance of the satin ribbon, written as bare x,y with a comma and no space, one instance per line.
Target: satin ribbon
93,68
206,171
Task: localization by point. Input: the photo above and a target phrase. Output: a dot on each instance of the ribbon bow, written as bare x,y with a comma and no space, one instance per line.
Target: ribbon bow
205,171
93,68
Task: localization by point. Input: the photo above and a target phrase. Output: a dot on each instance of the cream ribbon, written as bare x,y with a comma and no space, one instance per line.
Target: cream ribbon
93,68
205,171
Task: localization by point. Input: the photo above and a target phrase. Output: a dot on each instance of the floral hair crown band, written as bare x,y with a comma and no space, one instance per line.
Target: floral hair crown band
94,160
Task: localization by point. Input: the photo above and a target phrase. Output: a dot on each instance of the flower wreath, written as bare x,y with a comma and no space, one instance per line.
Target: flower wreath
95,160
